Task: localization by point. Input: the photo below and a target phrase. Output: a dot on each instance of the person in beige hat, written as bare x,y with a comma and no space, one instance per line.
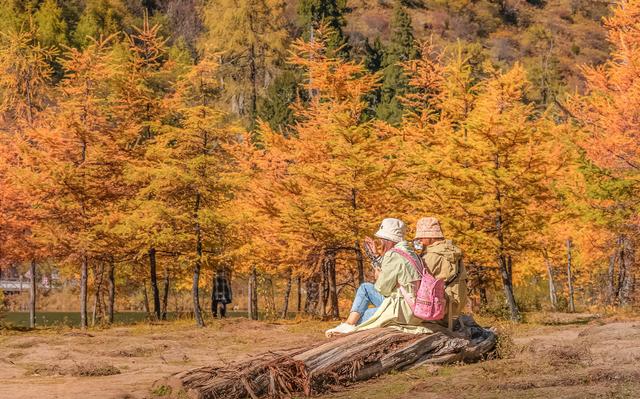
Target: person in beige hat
394,271
443,260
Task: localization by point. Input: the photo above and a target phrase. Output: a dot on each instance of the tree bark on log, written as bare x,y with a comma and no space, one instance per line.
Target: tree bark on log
338,362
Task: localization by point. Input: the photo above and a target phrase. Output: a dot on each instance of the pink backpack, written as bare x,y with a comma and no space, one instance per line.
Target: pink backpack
430,303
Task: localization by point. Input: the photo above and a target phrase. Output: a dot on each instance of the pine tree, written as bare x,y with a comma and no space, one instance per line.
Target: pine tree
276,106
52,27
401,49
330,13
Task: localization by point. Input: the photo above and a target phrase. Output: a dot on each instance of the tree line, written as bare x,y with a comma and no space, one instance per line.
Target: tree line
125,154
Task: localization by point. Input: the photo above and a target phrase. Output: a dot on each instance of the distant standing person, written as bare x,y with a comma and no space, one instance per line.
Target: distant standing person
221,295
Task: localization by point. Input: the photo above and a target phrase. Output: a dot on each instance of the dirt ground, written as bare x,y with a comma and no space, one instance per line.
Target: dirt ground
558,356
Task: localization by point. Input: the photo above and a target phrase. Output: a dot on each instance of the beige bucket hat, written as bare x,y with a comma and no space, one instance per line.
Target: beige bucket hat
392,229
428,228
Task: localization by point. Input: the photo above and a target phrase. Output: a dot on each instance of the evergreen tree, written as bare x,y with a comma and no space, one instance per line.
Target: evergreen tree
402,48
275,106
330,13
250,37
52,27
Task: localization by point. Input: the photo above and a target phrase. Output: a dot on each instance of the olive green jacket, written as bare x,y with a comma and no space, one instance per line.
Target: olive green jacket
443,260
394,311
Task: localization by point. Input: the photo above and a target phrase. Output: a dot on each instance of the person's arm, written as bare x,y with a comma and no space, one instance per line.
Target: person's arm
387,280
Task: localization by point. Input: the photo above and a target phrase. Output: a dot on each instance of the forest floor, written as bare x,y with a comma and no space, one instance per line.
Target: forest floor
567,356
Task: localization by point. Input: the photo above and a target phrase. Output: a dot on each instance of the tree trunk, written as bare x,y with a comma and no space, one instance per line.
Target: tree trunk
253,295
111,279
504,261
84,272
552,287
572,306
287,294
625,279
611,280
154,283
333,289
324,288
32,295
97,288
506,272
359,263
145,300
299,289
165,294
198,264
334,363
313,295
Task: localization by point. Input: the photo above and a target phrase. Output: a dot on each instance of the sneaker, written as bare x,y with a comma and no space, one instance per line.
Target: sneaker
342,328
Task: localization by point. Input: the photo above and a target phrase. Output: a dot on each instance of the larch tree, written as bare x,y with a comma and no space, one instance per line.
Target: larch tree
26,75
146,76
495,170
607,117
72,160
185,165
250,38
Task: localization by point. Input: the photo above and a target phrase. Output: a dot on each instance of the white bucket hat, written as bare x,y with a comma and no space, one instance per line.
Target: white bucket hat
392,229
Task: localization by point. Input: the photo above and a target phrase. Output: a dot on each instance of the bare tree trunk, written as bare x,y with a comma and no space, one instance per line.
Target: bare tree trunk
359,263
145,300
552,287
506,272
154,283
111,279
299,307
611,280
165,294
198,264
96,296
313,295
333,289
324,288
253,295
625,280
572,306
32,295
504,262
287,294
84,272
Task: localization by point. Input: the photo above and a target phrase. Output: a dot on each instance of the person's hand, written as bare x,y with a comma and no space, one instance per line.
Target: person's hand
371,245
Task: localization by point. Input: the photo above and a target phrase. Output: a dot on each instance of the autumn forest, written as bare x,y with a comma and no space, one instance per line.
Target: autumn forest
146,146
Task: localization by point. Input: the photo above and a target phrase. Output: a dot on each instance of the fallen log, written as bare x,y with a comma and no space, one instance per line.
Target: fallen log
339,362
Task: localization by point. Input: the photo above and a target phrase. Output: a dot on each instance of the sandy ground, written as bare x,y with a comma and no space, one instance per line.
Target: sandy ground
69,364
572,360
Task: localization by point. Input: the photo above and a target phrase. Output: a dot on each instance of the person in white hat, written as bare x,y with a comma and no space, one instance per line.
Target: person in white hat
388,305
443,260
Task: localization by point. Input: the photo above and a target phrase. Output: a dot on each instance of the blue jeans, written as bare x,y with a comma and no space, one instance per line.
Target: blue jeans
366,295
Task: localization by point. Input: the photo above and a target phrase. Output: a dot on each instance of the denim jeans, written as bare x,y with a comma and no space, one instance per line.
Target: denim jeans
366,295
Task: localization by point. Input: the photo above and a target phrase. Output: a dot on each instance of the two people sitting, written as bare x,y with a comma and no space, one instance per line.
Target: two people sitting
382,304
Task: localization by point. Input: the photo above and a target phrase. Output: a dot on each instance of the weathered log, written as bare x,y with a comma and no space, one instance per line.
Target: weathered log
339,362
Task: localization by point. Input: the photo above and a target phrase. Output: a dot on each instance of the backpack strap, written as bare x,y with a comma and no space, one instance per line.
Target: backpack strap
410,259
455,275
